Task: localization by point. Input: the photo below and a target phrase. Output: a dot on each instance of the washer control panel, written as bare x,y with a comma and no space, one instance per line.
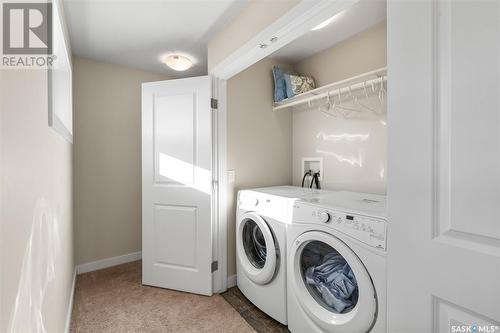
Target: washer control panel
369,230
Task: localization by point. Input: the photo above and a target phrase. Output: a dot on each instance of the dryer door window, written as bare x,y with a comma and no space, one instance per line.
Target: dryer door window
331,284
254,244
256,248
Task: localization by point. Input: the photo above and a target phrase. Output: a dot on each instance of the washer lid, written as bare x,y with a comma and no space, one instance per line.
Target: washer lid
331,283
256,248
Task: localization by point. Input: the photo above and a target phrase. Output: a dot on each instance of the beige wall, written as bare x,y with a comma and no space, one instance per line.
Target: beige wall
254,18
353,150
107,159
36,229
256,135
259,141
361,53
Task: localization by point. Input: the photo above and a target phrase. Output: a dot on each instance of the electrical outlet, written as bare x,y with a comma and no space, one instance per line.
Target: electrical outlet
231,176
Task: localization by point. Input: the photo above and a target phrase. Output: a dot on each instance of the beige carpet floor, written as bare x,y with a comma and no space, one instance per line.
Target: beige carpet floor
114,300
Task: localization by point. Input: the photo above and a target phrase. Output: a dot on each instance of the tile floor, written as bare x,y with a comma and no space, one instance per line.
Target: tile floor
261,322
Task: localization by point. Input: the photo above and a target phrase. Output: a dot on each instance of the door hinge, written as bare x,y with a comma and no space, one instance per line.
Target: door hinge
213,103
215,266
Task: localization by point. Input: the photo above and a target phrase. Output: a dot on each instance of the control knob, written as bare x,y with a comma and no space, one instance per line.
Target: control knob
324,217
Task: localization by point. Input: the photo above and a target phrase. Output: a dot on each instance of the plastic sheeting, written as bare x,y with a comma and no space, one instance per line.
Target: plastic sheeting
38,270
329,276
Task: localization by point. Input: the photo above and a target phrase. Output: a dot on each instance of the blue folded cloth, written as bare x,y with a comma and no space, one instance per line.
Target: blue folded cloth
279,84
334,281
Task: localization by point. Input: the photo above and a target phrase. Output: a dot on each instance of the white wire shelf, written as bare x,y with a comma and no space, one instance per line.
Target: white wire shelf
351,84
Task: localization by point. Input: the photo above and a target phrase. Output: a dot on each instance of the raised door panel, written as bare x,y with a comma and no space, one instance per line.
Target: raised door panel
455,318
468,123
175,236
174,138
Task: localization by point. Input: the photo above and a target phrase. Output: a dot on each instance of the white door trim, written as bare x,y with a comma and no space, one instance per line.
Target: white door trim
293,24
219,242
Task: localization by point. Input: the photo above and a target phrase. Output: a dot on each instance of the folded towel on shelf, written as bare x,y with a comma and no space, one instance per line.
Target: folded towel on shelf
279,84
287,85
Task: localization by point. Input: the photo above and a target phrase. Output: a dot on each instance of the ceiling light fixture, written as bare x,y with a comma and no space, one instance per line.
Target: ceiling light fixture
178,62
327,21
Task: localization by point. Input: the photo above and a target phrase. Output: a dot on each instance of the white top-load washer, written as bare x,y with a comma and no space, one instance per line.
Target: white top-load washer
336,266
261,220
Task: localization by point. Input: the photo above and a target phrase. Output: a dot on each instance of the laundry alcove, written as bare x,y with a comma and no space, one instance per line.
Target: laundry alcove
267,141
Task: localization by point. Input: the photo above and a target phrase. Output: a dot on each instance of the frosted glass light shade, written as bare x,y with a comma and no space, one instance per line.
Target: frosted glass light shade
178,62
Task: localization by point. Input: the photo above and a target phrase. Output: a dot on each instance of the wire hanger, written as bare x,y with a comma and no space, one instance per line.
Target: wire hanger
335,106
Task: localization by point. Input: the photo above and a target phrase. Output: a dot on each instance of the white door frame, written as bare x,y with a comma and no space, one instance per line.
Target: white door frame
219,197
293,24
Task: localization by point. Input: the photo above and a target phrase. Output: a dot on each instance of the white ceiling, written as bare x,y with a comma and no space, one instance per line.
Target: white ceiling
137,33
358,18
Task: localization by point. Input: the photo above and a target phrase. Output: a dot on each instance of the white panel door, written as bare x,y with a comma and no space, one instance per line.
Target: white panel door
444,166
177,185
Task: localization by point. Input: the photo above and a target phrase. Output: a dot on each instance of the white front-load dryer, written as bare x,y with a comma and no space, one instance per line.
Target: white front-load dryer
336,267
261,222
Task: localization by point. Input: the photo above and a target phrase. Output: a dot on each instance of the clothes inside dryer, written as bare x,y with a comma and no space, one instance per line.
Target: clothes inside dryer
254,244
328,277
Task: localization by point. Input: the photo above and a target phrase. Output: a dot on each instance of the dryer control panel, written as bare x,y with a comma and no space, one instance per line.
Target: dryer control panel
367,229
278,208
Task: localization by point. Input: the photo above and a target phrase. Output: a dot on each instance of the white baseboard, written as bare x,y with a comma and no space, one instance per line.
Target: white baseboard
231,281
108,262
69,312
